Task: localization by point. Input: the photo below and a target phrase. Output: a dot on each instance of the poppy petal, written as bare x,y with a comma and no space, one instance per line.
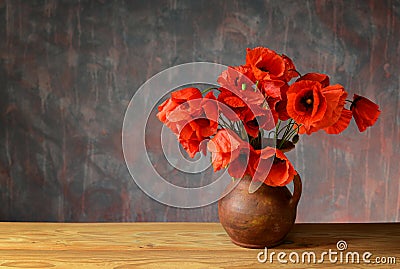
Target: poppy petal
341,124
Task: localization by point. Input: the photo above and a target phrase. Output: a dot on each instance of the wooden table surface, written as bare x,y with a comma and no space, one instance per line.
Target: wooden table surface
184,245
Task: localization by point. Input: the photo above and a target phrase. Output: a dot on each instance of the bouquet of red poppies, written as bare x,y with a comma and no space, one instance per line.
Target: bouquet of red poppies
257,113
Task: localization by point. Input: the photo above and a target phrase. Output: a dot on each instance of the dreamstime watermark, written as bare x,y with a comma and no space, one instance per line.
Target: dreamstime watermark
338,255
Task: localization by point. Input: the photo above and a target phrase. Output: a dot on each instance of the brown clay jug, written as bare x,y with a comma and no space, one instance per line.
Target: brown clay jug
260,219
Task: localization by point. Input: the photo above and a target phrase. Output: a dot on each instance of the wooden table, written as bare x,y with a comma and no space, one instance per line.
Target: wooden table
183,245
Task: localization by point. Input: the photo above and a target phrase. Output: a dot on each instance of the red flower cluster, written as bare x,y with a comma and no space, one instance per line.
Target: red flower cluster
241,102
258,96
271,73
268,165
315,104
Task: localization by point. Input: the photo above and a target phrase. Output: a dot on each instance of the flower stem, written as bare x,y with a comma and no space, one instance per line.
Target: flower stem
286,134
282,129
287,128
293,132
224,123
208,89
277,129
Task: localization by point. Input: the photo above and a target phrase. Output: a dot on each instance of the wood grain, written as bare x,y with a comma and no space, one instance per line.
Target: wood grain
176,245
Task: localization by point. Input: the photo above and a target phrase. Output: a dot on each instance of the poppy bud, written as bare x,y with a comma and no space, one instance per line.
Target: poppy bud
295,139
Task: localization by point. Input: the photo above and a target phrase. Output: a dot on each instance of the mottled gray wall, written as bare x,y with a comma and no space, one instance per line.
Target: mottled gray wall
69,68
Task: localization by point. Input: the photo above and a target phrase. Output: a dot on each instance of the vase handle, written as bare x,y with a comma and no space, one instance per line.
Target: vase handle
296,192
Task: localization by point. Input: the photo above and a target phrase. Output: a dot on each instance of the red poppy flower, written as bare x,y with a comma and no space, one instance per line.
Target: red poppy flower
191,118
165,108
280,105
256,117
186,95
225,146
271,88
234,107
365,112
321,78
273,167
192,146
236,97
275,93
244,163
290,68
306,103
268,65
202,125
314,106
177,98
247,72
253,115
282,171
210,106
235,81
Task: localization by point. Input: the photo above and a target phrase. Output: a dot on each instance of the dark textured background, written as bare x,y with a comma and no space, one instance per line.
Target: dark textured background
69,68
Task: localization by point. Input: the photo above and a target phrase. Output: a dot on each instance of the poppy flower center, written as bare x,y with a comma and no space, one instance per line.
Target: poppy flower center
307,100
263,66
263,69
